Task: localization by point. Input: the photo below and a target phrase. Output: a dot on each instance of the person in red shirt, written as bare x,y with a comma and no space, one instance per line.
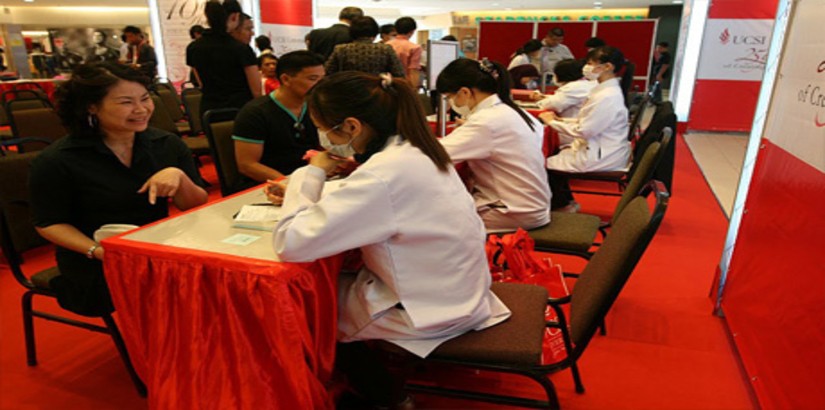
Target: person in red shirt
268,64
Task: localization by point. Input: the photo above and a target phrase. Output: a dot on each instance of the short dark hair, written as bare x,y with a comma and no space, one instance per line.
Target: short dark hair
363,27
196,29
568,70
87,86
529,47
293,62
608,54
387,28
132,30
350,13
556,32
449,37
664,44
405,25
263,42
594,42
265,56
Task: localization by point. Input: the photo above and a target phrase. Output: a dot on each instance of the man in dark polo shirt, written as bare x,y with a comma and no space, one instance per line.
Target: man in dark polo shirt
273,132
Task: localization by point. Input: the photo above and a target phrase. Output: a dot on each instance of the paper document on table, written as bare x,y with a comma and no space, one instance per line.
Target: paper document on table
258,217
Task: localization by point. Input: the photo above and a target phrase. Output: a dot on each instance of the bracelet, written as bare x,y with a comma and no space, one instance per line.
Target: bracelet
91,252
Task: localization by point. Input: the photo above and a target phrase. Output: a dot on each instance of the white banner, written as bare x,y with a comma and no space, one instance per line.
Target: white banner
796,117
285,38
176,17
735,49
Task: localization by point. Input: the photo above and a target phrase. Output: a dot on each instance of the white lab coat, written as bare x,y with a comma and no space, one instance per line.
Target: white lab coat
599,132
421,240
568,99
523,59
505,157
550,56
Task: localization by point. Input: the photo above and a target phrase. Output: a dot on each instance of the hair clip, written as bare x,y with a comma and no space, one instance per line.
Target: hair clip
386,80
488,67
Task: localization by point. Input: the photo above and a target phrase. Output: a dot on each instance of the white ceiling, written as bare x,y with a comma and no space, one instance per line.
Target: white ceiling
411,7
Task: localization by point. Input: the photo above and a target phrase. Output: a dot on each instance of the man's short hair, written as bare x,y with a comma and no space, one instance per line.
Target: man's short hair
350,13
196,29
568,70
555,32
363,27
387,28
664,44
266,56
405,25
594,42
132,30
293,62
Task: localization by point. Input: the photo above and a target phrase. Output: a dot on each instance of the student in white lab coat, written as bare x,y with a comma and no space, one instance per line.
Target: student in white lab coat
573,90
500,143
599,132
425,278
529,53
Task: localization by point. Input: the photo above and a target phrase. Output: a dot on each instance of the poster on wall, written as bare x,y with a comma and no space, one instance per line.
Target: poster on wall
285,38
73,46
286,23
176,17
799,94
735,49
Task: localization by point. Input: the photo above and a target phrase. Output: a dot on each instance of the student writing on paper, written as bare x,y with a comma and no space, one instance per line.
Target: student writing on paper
425,278
110,169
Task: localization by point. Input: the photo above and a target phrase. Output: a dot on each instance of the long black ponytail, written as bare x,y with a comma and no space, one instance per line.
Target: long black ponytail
487,76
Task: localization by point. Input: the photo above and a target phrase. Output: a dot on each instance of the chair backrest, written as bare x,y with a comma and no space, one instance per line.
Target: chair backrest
663,117
192,103
643,173
170,102
636,114
606,273
17,234
36,123
160,116
218,127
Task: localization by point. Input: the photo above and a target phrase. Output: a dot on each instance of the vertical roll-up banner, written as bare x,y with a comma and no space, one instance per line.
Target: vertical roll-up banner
286,23
175,19
773,292
731,65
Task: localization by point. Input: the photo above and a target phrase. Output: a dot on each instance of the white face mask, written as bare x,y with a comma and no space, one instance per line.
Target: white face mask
339,150
463,111
588,73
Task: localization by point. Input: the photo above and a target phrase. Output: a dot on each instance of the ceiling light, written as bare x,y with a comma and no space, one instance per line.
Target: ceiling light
495,4
678,1
28,1
597,3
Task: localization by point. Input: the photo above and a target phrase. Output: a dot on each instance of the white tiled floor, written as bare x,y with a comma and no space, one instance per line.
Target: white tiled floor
720,156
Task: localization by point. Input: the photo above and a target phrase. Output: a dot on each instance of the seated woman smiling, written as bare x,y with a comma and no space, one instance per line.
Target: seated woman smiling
110,169
425,278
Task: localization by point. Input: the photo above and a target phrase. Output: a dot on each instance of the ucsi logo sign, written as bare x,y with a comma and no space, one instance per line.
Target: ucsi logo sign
727,38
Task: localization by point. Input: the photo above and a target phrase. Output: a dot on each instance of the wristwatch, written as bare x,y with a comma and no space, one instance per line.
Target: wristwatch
91,252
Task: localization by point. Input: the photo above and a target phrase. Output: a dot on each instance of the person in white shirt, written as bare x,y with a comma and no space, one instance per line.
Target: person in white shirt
600,130
425,278
529,53
568,99
553,50
500,143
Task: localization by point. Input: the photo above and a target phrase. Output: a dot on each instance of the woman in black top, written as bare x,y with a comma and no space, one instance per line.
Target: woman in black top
226,69
110,169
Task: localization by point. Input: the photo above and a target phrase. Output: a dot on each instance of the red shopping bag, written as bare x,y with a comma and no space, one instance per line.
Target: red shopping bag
512,259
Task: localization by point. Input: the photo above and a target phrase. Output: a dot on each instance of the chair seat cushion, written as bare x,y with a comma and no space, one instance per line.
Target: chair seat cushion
518,340
574,232
198,145
41,279
183,128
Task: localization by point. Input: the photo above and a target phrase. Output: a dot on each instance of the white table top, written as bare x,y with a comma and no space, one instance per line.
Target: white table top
205,229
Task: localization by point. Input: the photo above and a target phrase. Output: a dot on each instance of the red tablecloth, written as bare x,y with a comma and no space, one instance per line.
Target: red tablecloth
211,331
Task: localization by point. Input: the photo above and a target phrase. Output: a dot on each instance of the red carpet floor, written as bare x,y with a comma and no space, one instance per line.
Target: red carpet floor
664,349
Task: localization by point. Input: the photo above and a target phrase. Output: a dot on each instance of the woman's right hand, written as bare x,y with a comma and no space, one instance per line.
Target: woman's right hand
536,96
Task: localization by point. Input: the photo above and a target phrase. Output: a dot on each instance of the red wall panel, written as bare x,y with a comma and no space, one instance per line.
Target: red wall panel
575,34
720,105
288,12
498,40
774,300
634,38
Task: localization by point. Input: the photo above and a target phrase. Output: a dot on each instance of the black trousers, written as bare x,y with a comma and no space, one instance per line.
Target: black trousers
368,373
560,188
